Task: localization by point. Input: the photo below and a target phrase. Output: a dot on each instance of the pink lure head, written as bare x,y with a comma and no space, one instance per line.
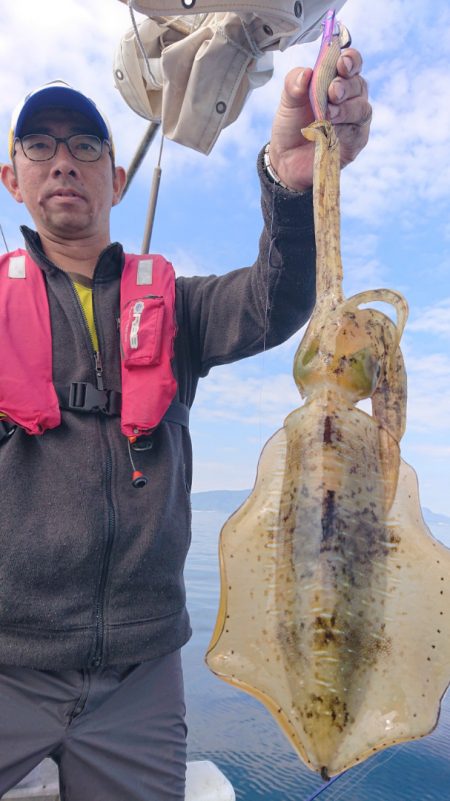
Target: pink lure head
330,28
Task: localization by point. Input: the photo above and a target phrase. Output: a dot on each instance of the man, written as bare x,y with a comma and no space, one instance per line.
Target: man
92,603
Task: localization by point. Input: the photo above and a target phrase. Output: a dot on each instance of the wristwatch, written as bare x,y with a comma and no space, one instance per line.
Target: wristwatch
271,174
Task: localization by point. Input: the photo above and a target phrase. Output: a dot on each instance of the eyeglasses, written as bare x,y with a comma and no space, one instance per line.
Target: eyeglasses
42,147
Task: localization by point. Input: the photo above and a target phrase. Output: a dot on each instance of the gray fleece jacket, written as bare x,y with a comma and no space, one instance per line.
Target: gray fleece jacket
91,569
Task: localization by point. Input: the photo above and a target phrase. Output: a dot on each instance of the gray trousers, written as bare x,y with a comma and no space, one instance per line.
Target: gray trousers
116,734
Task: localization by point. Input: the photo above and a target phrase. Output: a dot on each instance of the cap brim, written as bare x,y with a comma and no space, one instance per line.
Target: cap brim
61,97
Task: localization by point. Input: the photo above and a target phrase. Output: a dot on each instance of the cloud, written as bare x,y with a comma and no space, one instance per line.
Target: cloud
73,41
361,262
428,392
434,451
186,263
251,400
257,394
408,149
362,273
434,319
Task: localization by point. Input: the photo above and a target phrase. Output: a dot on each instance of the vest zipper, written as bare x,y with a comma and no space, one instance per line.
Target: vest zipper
97,358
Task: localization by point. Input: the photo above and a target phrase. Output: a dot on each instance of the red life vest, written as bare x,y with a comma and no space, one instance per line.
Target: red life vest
147,312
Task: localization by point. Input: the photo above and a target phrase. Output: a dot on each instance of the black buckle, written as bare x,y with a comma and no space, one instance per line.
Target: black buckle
84,397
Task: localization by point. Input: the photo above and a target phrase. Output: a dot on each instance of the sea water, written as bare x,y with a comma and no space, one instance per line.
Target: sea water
237,733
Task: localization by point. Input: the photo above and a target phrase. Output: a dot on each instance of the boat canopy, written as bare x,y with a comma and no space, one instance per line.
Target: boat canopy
194,71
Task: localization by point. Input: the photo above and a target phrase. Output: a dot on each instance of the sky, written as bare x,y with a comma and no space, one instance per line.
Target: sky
394,201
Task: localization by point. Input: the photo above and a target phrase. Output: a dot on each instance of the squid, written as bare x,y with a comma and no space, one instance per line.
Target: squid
335,597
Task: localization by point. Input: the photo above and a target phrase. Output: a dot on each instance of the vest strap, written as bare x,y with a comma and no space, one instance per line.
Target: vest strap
81,396
177,413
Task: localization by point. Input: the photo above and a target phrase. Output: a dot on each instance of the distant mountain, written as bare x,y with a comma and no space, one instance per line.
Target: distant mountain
229,500
435,519
218,500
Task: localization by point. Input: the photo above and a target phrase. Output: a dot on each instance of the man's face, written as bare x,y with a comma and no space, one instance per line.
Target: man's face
66,198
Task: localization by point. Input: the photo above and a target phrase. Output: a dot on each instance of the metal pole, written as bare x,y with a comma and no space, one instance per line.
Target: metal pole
152,203
141,153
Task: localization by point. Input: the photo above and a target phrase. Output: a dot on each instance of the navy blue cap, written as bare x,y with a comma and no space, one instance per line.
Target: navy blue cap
57,94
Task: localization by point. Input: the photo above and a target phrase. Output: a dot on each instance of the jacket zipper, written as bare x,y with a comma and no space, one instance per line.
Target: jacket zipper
100,605
96,659
100,601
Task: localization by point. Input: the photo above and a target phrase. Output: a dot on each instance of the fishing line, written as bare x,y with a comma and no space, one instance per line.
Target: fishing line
3,237
343,788
266,313
325,786
353,781
269,253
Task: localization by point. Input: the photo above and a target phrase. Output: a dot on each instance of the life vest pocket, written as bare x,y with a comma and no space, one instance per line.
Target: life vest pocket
142,330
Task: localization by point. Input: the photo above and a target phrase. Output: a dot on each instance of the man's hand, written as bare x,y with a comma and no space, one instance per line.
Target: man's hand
291,155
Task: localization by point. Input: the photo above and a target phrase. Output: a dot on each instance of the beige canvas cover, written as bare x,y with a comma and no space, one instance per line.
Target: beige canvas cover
197,69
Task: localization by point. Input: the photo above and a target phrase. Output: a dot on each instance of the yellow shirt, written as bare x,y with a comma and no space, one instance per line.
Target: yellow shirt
84,293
